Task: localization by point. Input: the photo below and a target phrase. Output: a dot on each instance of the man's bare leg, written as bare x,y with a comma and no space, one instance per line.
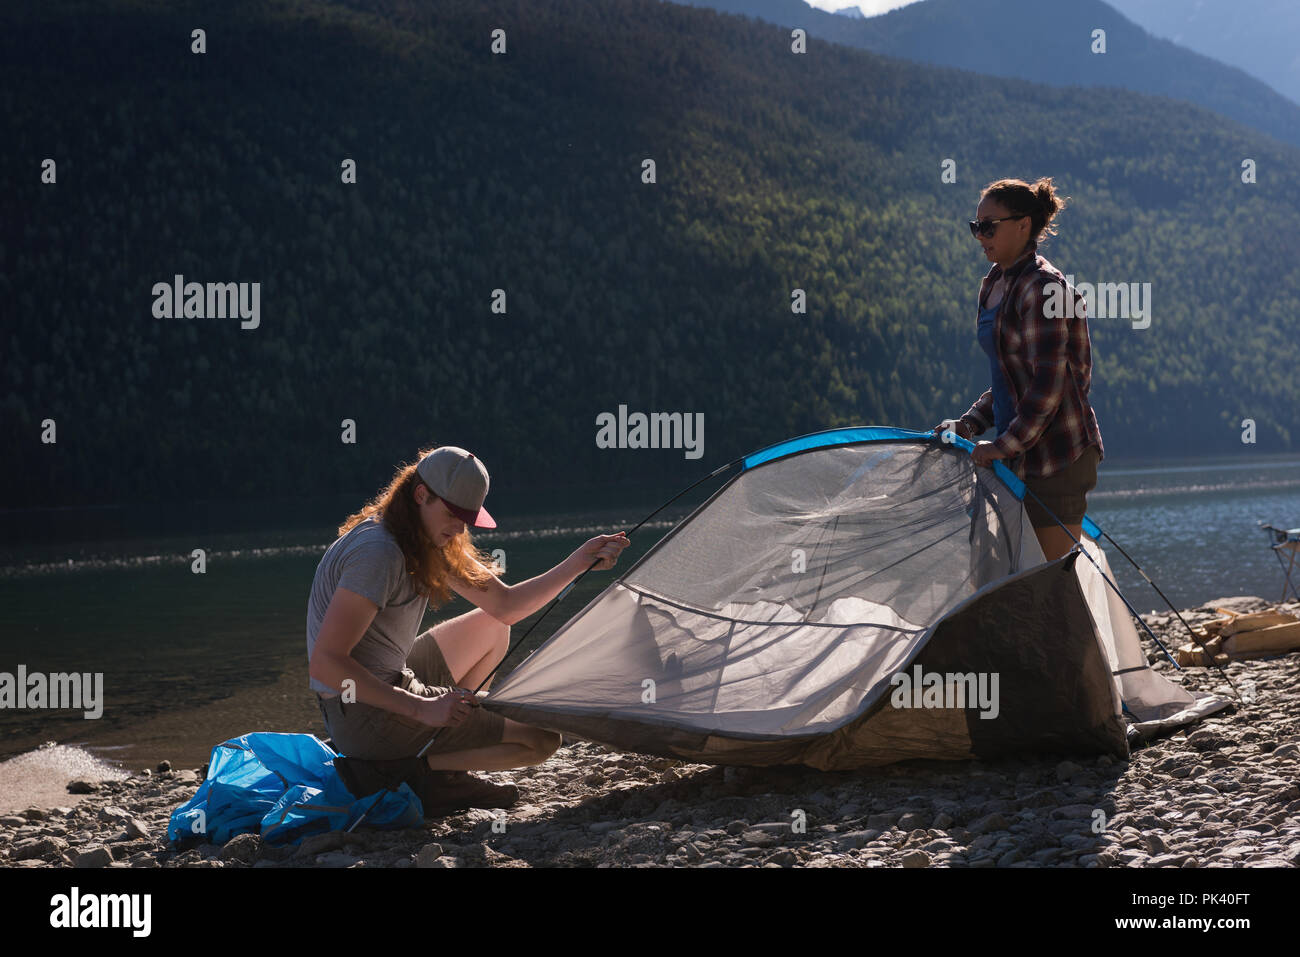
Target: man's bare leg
523,746
472,645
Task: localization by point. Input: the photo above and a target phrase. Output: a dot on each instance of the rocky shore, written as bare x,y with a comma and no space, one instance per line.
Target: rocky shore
1224,794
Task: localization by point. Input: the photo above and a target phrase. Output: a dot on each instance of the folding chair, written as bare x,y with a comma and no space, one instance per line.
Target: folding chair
1284,539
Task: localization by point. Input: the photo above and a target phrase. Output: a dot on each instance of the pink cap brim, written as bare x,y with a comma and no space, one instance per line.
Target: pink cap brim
479,519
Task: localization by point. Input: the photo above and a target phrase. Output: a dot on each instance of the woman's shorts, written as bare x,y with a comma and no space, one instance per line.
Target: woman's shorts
1065,493
364,731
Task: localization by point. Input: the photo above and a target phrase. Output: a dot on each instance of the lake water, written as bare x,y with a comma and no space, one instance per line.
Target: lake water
191,660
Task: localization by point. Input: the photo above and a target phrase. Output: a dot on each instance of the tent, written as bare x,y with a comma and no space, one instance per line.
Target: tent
852,598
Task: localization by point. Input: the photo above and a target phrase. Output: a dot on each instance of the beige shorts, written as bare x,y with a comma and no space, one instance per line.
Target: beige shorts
364,731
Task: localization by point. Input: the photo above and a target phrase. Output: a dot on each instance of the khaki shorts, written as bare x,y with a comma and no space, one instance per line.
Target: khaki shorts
1065,493
364,731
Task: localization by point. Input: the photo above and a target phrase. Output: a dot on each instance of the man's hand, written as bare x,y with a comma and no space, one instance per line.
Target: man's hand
606,548
445,711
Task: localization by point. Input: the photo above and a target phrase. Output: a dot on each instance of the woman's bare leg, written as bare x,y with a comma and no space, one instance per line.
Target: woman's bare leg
1054,540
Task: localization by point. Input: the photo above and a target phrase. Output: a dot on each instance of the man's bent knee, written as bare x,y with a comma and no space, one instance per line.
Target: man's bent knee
544,744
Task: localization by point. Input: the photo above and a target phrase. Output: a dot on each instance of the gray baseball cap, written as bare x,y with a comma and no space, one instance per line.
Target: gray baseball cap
461,481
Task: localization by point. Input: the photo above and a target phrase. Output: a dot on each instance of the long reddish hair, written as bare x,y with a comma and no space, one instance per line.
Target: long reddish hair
428,564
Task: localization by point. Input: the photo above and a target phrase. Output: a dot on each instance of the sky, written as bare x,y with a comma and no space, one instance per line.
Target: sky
869,8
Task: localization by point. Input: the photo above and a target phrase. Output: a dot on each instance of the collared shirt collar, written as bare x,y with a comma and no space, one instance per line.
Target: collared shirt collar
1030,250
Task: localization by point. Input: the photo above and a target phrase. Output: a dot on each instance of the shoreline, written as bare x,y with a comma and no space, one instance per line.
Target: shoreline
144,744
1221,793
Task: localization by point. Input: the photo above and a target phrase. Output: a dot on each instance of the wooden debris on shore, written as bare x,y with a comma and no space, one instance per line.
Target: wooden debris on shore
1237,636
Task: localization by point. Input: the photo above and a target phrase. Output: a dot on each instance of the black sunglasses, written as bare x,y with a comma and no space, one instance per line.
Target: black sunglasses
986,227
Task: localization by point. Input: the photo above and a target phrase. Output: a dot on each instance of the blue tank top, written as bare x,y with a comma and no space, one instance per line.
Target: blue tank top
1004,405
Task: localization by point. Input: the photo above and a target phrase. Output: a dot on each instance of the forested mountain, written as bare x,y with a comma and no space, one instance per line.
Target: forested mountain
1258,36
523,172
1046,41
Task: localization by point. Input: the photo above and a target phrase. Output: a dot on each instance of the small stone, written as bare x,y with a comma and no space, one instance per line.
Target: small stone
1154,842
314,844
429,855
990,822
854,839
916,859
42,847
164,766
1206,739
82,787
136,829
243,848
97,856
1066,770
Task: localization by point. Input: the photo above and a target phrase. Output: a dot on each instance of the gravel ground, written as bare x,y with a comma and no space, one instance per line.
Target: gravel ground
1224,793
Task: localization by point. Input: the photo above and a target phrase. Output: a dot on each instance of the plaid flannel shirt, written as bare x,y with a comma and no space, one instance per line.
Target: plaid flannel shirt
1048,367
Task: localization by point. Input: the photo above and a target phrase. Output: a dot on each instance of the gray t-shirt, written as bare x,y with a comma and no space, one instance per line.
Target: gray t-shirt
368,561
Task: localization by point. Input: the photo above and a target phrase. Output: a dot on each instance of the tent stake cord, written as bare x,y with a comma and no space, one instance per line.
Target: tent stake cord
943,439
1127,603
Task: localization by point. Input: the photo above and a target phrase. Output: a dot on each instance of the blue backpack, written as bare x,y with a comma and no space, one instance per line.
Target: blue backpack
283,786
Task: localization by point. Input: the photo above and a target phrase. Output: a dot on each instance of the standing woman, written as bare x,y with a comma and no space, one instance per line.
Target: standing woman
1040,361
406,548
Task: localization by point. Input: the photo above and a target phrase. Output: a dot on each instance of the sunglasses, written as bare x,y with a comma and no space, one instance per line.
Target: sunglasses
987,227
